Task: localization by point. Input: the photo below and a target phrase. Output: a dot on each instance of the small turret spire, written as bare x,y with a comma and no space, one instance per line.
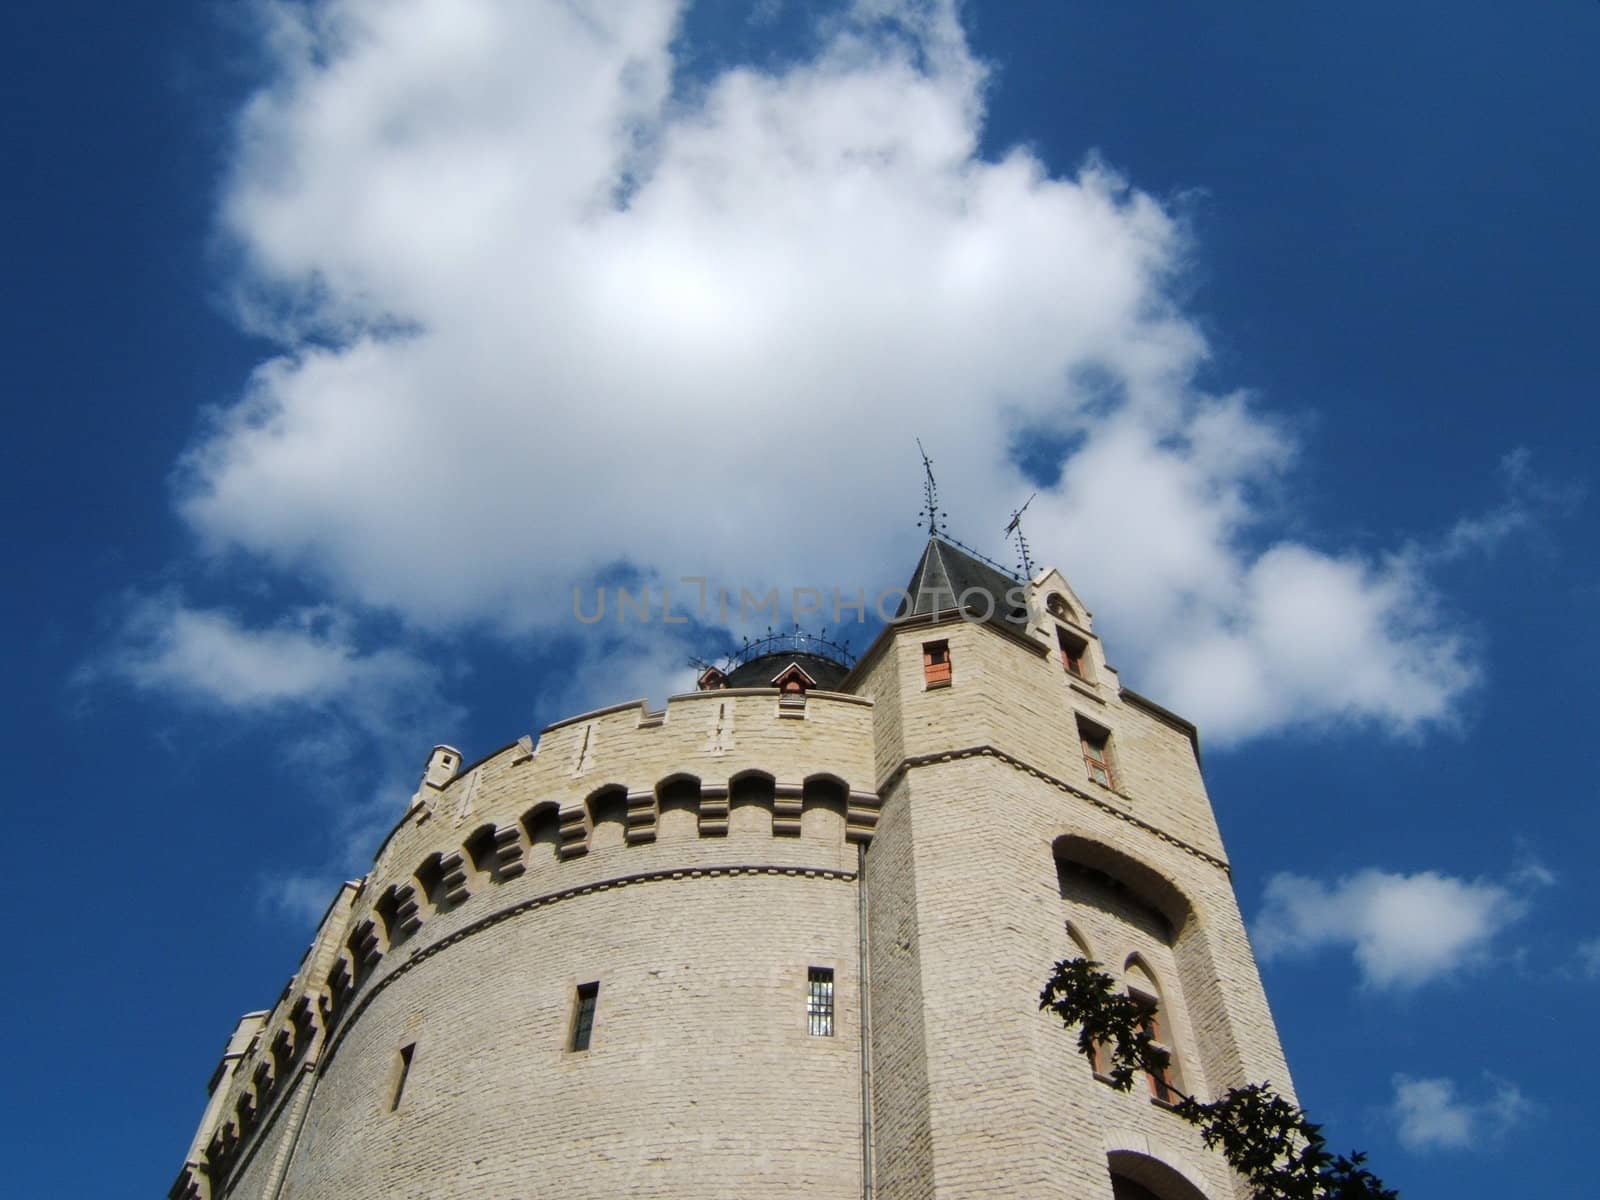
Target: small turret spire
932,516
1015,527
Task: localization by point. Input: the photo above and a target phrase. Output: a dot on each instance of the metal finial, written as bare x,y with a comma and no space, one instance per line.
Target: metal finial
930,494
1022,542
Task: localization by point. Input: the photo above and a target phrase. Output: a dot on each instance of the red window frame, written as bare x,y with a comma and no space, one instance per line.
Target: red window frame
1160,1082
1072,652
1097,759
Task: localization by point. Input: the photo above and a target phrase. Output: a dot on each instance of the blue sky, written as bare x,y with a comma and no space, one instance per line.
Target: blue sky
345,341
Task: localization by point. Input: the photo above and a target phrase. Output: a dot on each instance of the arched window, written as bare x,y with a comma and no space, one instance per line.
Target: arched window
1136,1175
1142,988
1133,917
1078,947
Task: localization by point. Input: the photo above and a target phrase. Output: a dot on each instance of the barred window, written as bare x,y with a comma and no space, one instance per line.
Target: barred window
819,1001
583,1015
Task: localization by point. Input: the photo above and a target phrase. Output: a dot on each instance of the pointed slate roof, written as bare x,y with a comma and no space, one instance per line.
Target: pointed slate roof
948,578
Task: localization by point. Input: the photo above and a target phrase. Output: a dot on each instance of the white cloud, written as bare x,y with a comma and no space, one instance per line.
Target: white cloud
1405,930
1527,499
617,665
209,656
1589,958
338,699
299,898
308,667
1431,1116
547,305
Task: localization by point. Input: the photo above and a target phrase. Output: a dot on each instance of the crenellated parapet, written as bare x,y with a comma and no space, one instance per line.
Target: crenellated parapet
712,743
738,780
265,1059
740,767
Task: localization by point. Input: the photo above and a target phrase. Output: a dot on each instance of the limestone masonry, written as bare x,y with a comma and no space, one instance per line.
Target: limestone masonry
783,938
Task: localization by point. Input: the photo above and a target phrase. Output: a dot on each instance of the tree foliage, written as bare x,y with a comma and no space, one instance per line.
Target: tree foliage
1263,1136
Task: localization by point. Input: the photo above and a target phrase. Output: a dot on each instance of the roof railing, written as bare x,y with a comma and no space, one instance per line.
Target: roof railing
795,641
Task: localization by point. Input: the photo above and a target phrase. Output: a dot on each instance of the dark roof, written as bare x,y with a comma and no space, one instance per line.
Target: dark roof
949,578
760,672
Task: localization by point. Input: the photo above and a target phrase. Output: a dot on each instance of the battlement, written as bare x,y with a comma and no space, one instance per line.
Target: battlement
714,739
266,1057
738,781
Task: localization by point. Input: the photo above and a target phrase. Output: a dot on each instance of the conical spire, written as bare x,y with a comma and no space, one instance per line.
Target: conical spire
948,578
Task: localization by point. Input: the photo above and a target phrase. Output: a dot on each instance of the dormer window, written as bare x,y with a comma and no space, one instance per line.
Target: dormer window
793,680
1074,651
712,679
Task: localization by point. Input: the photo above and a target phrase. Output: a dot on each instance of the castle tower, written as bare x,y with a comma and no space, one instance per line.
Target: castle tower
783,938
1035,809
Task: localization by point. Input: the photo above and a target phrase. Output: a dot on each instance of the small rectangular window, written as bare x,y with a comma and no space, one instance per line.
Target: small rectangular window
819,1001
1096,743
583,1015
936,663
402,1068
1100,1059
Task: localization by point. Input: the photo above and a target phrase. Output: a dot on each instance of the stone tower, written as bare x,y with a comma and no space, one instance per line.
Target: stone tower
783,938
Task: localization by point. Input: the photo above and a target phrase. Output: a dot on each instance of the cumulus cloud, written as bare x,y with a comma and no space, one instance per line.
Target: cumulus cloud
549,302
1430,1115
310,662
209,655
1405,930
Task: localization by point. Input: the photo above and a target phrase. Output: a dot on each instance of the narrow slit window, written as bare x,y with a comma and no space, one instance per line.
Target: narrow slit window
583,1015
819,1001
936,663
402,1068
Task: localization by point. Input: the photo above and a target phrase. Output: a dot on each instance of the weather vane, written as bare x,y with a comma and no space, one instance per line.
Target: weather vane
930,493
1022,540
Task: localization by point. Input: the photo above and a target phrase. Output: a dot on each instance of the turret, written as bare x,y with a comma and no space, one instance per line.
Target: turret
442,766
